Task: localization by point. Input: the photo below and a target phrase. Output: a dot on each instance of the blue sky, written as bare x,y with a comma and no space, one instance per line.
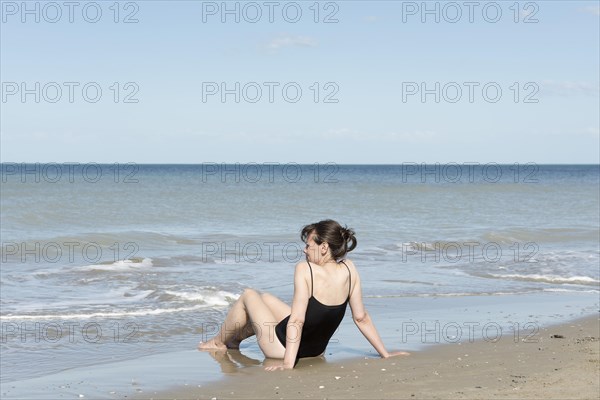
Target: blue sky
367,61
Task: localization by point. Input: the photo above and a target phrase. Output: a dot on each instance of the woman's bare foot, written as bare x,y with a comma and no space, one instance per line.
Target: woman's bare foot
233,345
397,353
212,345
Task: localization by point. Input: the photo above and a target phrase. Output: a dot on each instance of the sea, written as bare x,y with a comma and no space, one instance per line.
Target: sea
105,264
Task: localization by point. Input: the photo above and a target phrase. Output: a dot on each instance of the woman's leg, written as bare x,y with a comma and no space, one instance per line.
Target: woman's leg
279,309
235,321
263,322
258,312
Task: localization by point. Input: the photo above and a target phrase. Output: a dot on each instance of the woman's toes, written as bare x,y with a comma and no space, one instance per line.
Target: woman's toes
211,345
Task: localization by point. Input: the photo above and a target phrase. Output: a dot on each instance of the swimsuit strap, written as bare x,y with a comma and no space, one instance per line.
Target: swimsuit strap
311,279
349,278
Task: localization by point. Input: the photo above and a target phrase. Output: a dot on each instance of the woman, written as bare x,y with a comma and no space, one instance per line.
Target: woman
323,286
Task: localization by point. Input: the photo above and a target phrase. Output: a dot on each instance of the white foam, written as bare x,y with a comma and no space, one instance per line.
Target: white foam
211,298
457,294
135,313
207,298
549,278
121,265
570,290
119,296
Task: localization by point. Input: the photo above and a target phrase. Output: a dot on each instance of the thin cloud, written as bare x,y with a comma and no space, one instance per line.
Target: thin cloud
291,41
371,18
594,10
415,136
579,132
591,130
569,88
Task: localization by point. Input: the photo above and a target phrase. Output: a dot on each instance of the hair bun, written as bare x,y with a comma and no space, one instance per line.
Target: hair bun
344,233
348,238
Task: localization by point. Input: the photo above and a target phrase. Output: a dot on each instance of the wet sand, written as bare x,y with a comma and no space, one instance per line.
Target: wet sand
556,362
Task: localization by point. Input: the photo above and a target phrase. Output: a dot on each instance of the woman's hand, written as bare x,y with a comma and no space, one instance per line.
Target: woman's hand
278,367
396,353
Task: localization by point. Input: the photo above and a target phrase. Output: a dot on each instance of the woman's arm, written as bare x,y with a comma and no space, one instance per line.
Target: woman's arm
361,317
296,321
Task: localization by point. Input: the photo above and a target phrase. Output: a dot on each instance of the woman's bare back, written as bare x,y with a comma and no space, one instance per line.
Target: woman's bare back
331,283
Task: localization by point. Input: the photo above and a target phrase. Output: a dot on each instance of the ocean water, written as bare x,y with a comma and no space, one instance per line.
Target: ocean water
109,263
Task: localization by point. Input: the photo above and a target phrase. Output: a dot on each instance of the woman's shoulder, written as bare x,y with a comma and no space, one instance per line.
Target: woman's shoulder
349,263
302,266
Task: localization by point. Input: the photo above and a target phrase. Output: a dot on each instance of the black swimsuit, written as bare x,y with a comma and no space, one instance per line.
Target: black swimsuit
320,323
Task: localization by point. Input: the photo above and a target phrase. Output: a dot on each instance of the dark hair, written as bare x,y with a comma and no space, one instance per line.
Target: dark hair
334,234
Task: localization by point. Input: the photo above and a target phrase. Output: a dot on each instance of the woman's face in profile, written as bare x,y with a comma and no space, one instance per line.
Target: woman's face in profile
311,248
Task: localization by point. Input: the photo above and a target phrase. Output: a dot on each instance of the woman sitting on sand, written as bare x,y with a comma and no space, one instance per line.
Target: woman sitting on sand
313,321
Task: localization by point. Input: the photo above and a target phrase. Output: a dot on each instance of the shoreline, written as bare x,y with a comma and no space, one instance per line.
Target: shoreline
559,361
426,327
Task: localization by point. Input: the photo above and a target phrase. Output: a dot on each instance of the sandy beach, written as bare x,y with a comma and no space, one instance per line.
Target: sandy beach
557,362
160,158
